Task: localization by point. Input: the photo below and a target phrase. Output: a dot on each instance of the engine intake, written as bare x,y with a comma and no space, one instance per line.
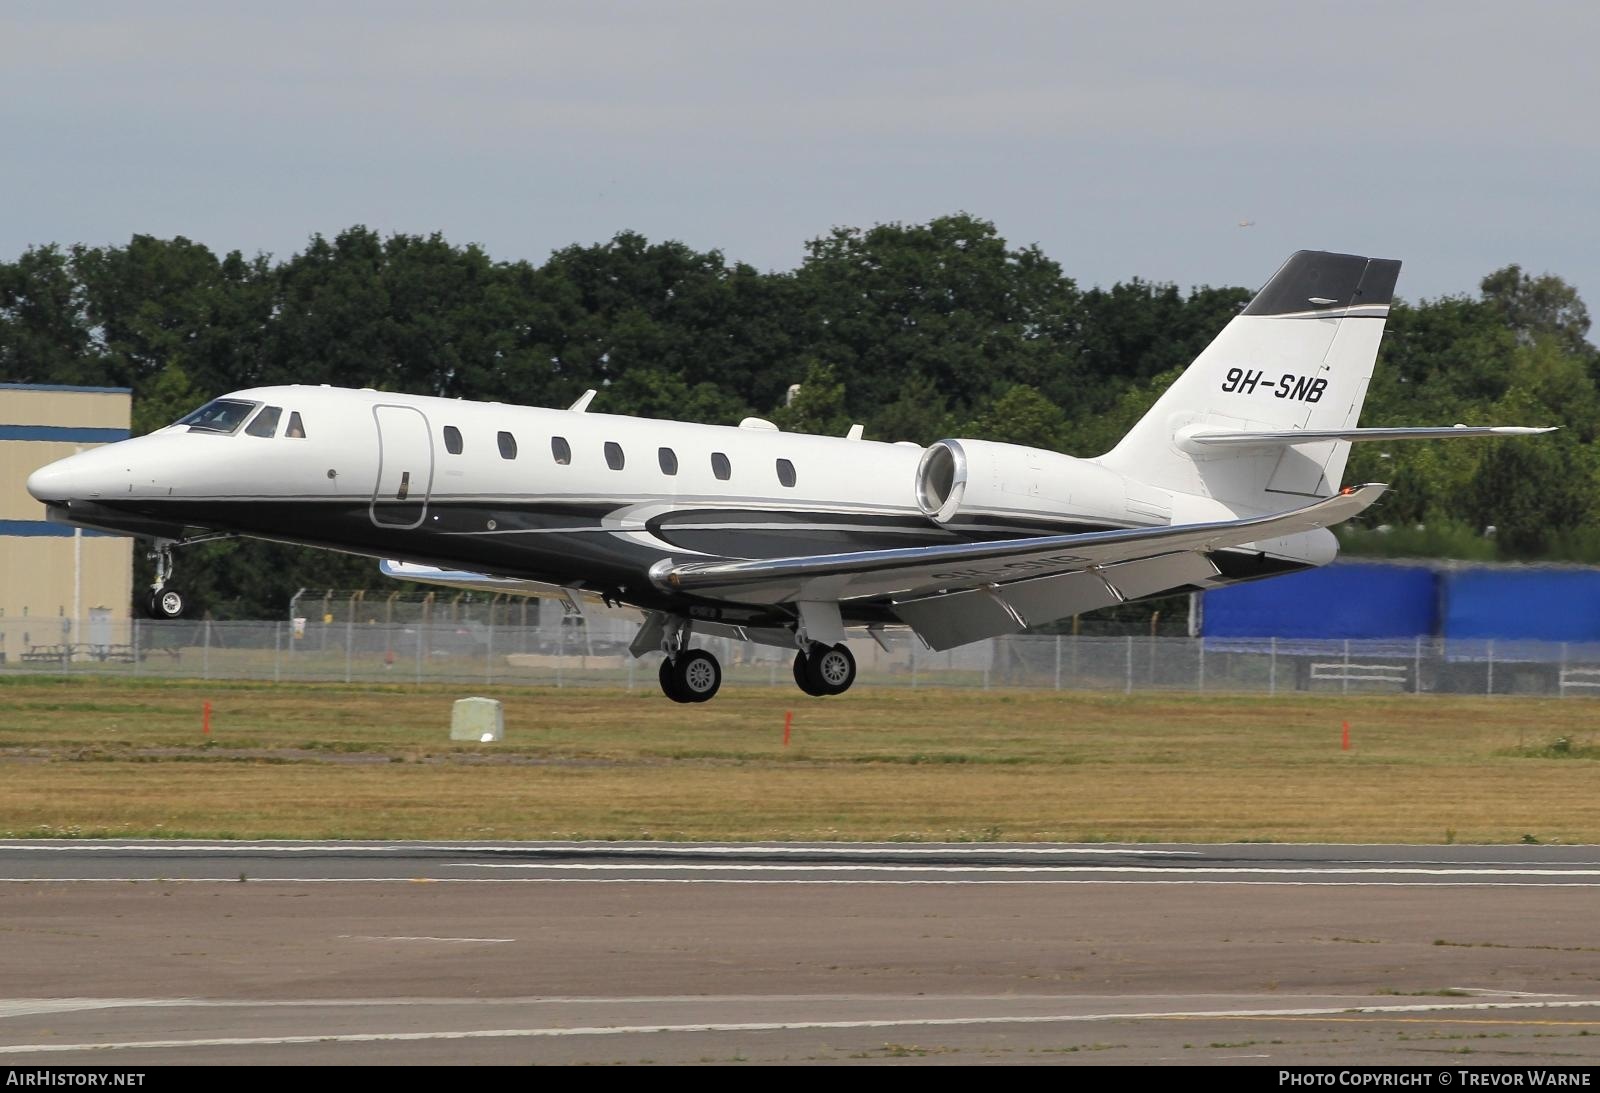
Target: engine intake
960,480
942,480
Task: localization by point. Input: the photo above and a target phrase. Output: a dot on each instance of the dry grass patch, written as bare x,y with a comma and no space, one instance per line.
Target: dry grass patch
116,757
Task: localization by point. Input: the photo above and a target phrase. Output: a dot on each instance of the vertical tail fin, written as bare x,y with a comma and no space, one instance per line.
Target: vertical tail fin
1299,356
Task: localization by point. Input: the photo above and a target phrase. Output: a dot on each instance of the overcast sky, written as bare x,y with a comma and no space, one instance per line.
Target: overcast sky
1126,139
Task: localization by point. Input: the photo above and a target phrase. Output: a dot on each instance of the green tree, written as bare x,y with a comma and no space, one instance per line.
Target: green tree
920,413
1134,331
947,303
818,407
45,334
158,303
1531,493
333,315
1532,306
1096,434
1021,416
164,398
610,315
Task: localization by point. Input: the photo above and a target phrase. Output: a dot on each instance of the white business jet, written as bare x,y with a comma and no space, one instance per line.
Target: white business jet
783,538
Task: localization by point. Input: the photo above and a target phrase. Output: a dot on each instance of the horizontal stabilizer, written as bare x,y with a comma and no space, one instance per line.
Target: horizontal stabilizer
1199,438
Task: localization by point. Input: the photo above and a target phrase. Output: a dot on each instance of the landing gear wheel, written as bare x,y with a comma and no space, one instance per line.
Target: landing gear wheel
827,670
669,683
802,678
165,603
697,675
830,669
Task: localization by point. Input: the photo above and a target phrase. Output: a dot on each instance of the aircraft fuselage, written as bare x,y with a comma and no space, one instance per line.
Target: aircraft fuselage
574,499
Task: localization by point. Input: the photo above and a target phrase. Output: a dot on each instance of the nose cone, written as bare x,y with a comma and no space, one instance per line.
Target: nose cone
55,482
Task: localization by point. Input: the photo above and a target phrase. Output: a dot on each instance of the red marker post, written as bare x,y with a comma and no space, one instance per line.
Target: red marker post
1344,738
205,719
788,720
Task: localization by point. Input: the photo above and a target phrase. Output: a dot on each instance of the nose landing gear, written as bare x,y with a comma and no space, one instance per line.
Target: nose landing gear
164,602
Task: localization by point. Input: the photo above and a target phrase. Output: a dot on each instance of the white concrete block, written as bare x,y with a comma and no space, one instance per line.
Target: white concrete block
482,720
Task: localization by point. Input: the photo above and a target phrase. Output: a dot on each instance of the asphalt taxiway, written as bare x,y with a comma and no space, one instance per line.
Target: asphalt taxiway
132,953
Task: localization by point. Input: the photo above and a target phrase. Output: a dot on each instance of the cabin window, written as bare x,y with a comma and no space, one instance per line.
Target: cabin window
508,445
614,458
266,422
223,415
669,460
295,431
721,467
786,473
560,450
452,440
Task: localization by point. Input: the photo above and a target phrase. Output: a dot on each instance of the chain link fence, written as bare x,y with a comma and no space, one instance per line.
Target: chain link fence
494,648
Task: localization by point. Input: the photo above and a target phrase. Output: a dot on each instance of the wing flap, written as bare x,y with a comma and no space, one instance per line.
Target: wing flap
1045,599
945,622
1135,580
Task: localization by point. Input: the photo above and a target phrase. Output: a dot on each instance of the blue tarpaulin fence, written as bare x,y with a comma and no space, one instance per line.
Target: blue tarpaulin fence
1371,601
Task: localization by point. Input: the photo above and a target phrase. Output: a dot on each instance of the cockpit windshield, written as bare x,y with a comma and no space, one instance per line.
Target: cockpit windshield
266,422
223,415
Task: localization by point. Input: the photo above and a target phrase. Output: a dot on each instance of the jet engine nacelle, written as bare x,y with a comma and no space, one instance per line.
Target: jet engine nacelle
959,479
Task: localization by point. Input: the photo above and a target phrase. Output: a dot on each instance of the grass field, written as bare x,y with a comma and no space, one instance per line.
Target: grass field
87,757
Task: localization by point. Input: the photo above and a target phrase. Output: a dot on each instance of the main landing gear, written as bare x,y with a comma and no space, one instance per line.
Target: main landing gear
693,675
824,670
164,601
687,675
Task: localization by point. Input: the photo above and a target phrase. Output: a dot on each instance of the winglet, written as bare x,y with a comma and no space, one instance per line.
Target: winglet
583,401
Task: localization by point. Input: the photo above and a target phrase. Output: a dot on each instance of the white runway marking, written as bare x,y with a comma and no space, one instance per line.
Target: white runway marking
28,1007
379,937
1509,994
654,851
22,1006
1186,870
775,1026
977,880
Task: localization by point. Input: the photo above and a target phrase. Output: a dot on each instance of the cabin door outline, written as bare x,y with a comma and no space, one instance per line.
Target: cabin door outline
405,467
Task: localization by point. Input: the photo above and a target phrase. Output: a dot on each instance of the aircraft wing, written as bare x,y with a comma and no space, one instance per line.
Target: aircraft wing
963,592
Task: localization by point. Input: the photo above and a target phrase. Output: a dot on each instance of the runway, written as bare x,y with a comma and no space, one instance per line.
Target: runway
836,863
130,953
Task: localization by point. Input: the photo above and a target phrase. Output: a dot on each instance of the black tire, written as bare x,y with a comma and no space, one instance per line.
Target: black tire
830,669
669,683
166,603
697,675
802,677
